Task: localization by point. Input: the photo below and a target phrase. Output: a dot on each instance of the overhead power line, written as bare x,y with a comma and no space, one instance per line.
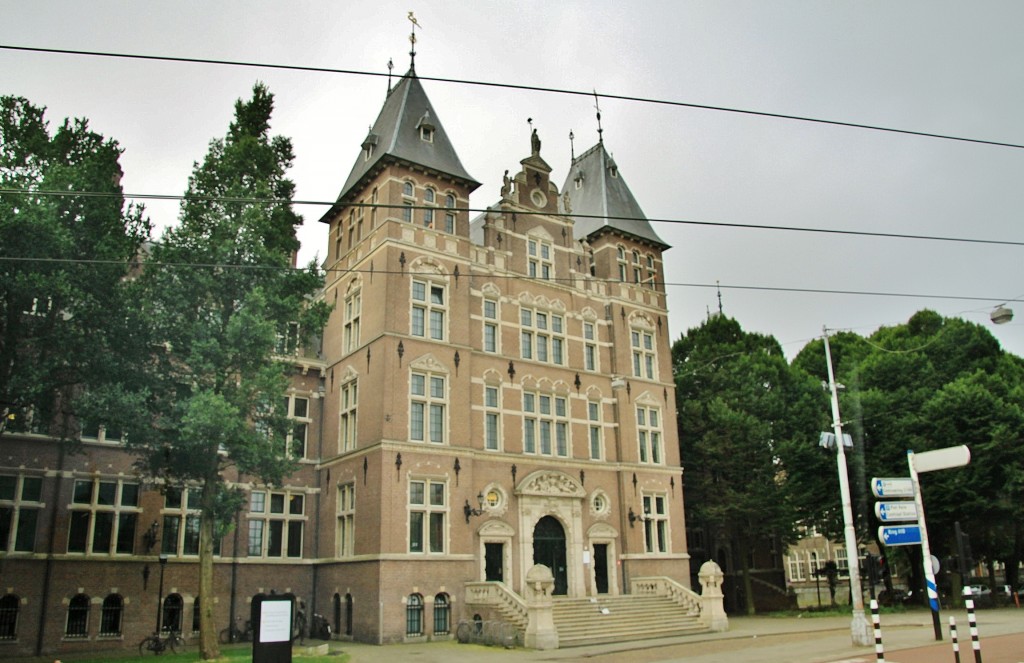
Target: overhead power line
511,86
481,210
147,264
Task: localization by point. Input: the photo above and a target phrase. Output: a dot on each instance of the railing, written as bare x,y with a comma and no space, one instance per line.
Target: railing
499,595
662,586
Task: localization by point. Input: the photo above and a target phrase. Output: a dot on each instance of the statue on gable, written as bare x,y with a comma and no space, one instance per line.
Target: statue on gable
535,142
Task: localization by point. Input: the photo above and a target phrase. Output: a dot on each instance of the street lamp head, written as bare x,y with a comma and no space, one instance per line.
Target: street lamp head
1001,315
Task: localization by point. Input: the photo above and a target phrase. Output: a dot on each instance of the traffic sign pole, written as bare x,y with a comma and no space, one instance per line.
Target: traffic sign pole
926,553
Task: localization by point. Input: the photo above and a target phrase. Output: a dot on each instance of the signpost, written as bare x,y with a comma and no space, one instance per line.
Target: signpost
895,512
914,530
906,535
898,487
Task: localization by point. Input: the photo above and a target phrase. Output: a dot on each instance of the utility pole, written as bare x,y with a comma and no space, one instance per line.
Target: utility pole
860,630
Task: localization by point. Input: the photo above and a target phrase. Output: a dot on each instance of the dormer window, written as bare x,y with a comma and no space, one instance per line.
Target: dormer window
426,128
368,145
578,180
612,168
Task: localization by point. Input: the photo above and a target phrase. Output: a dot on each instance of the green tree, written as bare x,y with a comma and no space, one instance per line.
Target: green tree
62,305
217,290
745,419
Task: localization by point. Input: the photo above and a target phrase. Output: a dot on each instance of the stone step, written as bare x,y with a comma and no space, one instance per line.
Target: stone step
620,618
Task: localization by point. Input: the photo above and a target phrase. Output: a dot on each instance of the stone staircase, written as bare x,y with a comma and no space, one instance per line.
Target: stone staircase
596,620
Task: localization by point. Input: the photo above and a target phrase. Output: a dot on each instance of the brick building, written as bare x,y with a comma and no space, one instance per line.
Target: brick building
491,393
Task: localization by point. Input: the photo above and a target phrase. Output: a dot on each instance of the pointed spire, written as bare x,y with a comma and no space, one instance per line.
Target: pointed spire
718,287
597,106
572,148
412,41
391,65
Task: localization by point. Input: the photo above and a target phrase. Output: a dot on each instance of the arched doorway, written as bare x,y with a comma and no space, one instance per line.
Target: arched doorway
549,550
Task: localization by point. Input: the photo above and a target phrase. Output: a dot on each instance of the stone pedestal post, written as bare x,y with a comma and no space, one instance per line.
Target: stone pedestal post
712,613
540,631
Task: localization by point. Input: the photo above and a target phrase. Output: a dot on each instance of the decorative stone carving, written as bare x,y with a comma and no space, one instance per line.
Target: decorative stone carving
551,483
428,363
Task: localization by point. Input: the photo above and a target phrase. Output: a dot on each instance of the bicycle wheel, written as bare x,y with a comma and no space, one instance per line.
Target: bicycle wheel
147,644
463,631
224,637
175,642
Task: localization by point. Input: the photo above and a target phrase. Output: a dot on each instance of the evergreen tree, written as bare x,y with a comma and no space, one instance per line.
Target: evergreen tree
217,291
62,310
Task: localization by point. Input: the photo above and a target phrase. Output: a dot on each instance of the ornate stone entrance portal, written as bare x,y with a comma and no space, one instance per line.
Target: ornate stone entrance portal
551,526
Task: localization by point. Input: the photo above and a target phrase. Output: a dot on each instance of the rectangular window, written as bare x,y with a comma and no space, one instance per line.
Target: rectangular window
655,524
545,423
589,347
542,336
539,259
429,311
427,408
181,515
297,410
277,531
648,425
20,497
348,419
490,326
353,313
427,513
346,520
594,416
643,354
492,419
103,518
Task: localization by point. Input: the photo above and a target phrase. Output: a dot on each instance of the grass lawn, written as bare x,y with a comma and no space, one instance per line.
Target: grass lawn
228,653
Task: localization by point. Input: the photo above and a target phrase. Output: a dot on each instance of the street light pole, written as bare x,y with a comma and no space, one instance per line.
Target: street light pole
860,630
160,596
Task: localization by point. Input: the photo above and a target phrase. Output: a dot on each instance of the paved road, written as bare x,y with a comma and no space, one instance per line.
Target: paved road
907,637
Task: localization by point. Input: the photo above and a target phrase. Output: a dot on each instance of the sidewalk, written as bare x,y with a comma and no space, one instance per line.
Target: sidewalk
749,640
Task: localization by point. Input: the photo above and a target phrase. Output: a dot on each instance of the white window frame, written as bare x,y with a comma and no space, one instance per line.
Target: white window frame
298,438
424,512
546,429
645,355
595,430
345,543
115,511
186,515
649,435
428,396
20,506
656,524
348,422
353,314
491,327
428,317
542,336
492,418
590,355
263,520
540,259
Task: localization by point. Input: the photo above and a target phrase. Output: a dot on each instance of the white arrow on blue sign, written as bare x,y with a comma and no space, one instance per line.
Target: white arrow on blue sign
906,535
895,512
898,487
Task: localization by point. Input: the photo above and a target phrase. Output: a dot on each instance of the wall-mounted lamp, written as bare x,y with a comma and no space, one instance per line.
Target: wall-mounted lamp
633,517
470,511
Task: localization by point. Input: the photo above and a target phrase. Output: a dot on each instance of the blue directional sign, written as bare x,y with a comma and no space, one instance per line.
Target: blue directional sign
896,512
898,487
906,535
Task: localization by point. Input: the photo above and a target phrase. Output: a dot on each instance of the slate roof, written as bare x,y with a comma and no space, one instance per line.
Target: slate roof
604,197
395,136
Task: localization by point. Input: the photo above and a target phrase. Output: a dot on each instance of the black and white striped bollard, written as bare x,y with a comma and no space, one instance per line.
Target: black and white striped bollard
879,650
952,636
975,643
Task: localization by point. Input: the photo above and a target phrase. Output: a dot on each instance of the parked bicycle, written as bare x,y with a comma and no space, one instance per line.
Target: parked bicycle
233,634
159,643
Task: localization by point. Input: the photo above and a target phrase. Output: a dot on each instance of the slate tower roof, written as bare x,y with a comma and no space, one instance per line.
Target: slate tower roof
397,137
598,192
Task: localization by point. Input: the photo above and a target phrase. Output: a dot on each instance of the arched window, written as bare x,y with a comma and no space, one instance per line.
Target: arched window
337,613
442,610
173,605
196,615
348,614
428,195
449,201
78,617
407,189
414,615
9,616
110,616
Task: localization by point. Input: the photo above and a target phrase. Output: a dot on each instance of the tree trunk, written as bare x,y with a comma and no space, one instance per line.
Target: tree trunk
208,646
748,586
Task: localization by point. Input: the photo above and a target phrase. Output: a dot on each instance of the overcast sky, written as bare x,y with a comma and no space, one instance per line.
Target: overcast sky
935,67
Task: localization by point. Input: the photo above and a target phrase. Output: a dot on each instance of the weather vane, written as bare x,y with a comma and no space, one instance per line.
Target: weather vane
572,148
391,65
597,106
412,39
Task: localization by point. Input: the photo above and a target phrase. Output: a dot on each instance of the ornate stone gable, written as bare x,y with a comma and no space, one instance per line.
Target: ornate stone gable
551,483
